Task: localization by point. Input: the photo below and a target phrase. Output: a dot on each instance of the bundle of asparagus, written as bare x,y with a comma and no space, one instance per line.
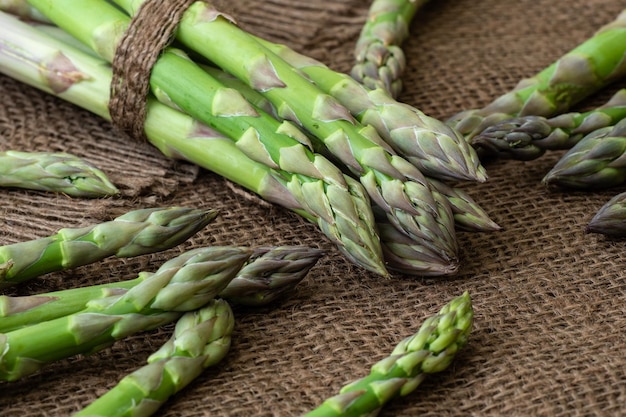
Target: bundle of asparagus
54,171
275,156
584,70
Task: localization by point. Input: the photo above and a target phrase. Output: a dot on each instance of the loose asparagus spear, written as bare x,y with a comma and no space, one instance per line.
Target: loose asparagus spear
54,171
428,143
585,69
430,350
392,182
343,214
528,137
182,284
379,58
201,339
267,275
597,161
135,233
610,220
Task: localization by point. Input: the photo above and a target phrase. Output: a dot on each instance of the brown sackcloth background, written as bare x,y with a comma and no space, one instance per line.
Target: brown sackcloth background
550,321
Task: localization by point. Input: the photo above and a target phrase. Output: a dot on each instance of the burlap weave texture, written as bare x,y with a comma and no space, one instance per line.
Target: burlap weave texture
550,319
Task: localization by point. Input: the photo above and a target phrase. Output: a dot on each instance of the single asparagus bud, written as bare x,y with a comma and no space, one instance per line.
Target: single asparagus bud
410,256
182,284
588,67
468,215
135,233
340,208
268,275
528,137
54,171
428,143
201,339
379,58
430,350
391,181
610,220
597,161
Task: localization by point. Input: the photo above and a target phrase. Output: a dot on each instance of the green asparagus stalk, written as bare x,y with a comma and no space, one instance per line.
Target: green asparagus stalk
529,137
428,143
430,350
392,182
597,161
185,283
54,171
201,339
268,275
135,233
379,58
585,69
343,214
610,220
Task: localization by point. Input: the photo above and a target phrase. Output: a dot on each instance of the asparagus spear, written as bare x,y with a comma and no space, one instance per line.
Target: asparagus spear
182,284
610,220
597,161
266,276
379,58
201,339
54,171
135,233
528,137
392,182
430,350
428,143
343,214
583,70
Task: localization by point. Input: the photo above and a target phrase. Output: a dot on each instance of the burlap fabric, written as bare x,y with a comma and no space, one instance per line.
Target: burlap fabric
550,321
